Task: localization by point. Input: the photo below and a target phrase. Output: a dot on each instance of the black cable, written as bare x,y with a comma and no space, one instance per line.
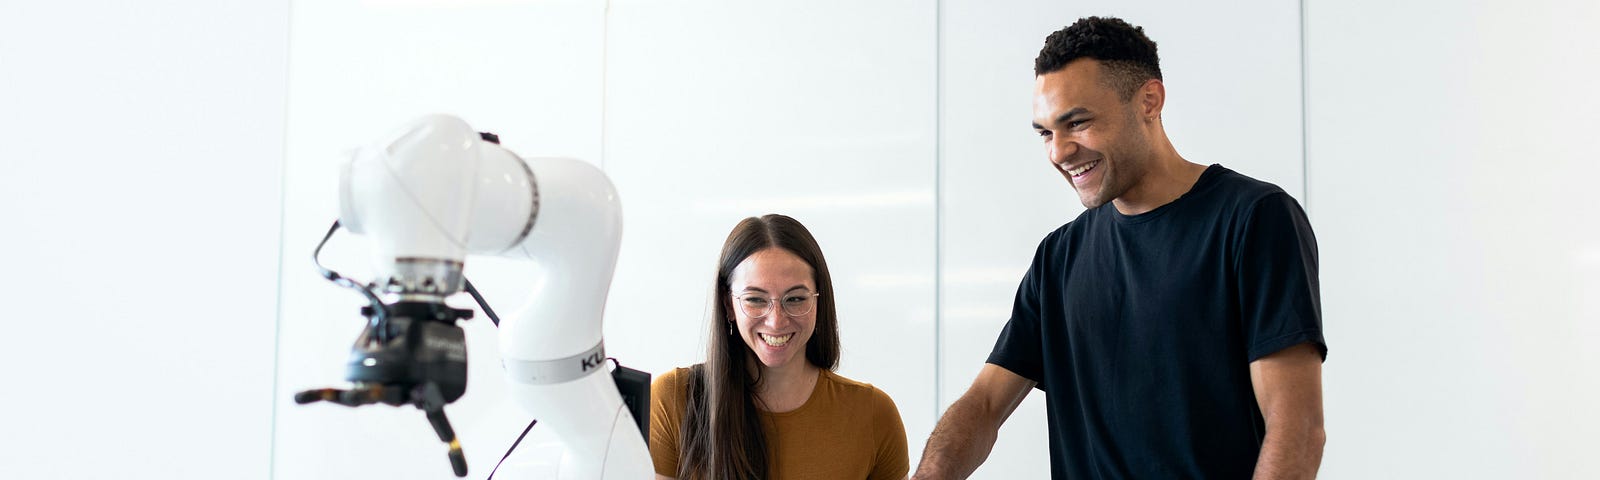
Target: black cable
481,302
380,315
513,447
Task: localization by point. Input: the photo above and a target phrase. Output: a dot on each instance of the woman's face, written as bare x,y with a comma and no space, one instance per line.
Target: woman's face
779,282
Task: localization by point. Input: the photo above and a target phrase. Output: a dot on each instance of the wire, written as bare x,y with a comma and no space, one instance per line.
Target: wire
380,314
513,448
481,302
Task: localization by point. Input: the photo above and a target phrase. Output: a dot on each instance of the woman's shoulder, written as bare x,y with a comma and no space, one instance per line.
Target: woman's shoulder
868,403
853,391
671,384
673,376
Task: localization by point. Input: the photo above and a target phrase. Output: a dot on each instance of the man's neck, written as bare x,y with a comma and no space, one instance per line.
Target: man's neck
1169,177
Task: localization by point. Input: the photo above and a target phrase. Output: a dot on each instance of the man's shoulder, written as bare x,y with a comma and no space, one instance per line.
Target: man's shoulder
1231,187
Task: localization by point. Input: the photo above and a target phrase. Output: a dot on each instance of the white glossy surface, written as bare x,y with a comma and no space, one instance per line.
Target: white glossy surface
573,254
599,438
529,71
1000,196
820,110
139,212
1452,180
413,191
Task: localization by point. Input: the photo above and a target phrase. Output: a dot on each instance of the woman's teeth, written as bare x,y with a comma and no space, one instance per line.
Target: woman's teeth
777,341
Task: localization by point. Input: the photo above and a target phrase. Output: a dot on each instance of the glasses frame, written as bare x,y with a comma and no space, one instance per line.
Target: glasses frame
739,301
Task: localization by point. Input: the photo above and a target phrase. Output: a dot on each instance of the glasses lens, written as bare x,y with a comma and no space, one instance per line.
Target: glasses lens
798,303
755,306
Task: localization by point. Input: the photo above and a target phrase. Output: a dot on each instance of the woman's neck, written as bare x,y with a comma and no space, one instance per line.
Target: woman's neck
786,388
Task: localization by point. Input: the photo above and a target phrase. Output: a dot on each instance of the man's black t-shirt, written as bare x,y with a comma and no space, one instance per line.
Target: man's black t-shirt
1141,329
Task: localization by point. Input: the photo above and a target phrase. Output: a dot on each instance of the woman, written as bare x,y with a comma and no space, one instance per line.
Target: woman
766,403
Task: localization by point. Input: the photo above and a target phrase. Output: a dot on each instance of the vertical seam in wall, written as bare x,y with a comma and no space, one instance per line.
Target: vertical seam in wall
938,208
283,189
605,78
1305,128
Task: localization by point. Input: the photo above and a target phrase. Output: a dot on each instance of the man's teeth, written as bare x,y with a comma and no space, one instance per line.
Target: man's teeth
1084,168
777,341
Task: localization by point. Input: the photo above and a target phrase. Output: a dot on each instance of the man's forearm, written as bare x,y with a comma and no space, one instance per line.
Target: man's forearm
1290,453
960,442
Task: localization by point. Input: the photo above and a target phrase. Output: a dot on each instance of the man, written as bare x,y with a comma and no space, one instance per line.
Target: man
1175,325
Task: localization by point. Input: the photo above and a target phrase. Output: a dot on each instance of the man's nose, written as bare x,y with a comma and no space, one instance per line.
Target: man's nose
1062,150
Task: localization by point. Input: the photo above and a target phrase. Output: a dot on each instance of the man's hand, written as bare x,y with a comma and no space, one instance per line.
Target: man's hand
966,433
1288,386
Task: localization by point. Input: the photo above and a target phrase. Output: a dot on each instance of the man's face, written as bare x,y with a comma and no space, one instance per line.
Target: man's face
1090,135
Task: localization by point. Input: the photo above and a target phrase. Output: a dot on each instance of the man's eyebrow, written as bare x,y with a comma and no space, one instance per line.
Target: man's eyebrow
1067,117
1064,118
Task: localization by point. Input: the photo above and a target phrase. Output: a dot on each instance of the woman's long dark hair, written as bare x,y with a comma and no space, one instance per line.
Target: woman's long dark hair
721,432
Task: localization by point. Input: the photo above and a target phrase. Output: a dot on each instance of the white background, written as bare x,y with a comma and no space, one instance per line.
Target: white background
168,167
142,145
1452,190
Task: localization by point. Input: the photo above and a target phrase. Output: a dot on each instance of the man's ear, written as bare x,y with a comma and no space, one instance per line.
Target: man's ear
1152,96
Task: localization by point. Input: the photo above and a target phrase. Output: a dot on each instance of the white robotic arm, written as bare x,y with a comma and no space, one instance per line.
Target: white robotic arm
434,192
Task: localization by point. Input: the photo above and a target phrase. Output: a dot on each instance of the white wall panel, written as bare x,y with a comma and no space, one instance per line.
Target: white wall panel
141,151
527,70
820,110
1451,181
1232,73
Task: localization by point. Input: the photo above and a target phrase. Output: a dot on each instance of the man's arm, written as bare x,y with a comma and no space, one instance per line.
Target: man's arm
966,433
1288,386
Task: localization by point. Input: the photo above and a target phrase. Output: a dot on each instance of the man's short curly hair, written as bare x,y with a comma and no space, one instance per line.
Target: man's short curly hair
1129,57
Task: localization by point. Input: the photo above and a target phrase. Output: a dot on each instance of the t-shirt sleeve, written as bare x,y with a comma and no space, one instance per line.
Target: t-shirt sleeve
891,462
1018,348
666,411
1280,303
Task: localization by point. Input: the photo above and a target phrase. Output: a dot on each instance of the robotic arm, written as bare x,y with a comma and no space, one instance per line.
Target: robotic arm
434,192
